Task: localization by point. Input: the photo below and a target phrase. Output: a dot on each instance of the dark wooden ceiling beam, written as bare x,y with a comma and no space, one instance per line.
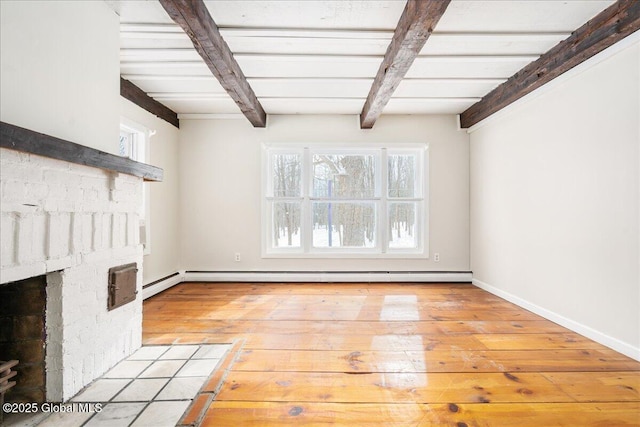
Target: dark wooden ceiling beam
414,28
610,26
195,20
136,95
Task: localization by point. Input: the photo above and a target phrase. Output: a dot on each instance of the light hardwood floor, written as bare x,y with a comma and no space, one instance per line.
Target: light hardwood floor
394,355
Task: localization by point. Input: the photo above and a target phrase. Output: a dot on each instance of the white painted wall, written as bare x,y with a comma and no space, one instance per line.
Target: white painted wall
220,189
59,70
555,195
164,258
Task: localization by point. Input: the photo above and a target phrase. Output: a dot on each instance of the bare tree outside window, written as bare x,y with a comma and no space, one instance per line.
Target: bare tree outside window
287,180
344,177
401,172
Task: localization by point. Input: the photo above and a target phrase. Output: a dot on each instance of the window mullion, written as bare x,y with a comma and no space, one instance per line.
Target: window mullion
383,221
306,215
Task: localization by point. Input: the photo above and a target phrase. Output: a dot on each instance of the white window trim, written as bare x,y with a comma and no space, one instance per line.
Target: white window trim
382,251
141,145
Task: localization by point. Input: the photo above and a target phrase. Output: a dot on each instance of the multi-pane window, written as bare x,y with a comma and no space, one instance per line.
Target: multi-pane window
322,200
133,144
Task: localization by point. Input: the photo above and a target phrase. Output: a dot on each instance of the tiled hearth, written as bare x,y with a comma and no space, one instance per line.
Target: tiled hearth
152,387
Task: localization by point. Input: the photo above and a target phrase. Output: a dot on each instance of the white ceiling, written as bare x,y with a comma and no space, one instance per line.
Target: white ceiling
320,57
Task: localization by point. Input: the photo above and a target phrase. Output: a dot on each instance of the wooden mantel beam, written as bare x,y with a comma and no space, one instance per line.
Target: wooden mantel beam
608,27
28,141
136,95
414,28
195,20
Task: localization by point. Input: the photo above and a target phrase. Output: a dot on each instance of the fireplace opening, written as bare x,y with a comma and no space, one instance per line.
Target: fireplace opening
22,337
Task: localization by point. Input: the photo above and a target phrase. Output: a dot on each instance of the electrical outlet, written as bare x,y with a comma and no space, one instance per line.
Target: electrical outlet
237,257
436,257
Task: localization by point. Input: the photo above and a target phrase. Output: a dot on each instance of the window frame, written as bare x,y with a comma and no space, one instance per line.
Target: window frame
381,200
138,138
139,152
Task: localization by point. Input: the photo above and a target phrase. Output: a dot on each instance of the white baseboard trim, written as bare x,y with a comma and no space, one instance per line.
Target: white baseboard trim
613,343
163,285
316,277
312,277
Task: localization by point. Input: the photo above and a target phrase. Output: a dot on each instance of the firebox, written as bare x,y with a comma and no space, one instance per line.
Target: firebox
22,336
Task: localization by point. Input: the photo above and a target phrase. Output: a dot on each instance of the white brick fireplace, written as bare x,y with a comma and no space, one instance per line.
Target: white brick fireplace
73,223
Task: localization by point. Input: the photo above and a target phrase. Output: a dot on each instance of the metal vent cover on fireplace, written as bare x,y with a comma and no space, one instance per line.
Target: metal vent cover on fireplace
122,285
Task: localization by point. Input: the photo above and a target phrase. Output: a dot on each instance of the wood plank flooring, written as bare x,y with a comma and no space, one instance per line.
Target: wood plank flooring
393,355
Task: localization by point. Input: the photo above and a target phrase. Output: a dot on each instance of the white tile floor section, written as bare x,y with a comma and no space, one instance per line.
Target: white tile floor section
151,388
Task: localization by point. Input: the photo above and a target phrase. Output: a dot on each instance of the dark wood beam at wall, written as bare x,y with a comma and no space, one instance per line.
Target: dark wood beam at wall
414,28
136,95
28,141
195,20
608,27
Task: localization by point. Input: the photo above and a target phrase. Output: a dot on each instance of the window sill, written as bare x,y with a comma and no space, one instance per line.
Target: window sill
316,255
